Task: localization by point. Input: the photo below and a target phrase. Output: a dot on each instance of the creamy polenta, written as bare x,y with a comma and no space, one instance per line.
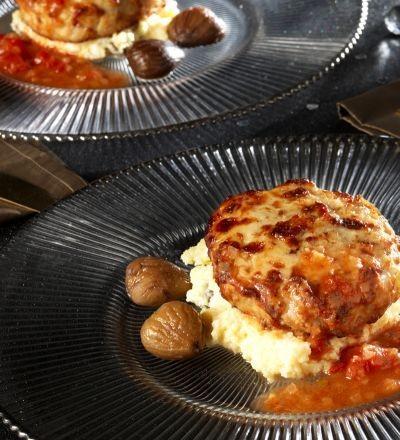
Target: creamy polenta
272,353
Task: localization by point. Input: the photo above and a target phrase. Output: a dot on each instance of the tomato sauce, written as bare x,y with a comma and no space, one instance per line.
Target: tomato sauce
330,393
363,374
27,61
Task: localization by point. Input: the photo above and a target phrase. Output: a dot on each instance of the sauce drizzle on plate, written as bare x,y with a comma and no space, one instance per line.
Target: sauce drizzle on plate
363,374
26,61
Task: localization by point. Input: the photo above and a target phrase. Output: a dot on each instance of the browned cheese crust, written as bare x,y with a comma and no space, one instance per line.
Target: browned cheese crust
78,20
316,262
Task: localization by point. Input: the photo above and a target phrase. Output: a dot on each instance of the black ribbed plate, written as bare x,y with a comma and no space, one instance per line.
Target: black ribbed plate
71,362
272,49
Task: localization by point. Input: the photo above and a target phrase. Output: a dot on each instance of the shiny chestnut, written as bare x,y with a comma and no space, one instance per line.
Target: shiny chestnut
196,26
151,59
152,281
174,332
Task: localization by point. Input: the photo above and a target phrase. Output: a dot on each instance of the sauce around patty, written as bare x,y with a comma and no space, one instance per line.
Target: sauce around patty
363,374
27,61
330,393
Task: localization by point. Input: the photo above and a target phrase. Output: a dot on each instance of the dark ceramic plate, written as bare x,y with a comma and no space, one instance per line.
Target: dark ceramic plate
272,49
71,362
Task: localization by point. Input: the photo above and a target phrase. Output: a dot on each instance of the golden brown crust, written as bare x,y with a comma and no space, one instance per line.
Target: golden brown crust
300,258
82,20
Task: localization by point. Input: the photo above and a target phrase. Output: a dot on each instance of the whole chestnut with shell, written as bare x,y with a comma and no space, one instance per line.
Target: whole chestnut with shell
196,26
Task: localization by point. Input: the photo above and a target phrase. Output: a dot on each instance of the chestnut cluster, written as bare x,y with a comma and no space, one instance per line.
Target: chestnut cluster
195,26
175,330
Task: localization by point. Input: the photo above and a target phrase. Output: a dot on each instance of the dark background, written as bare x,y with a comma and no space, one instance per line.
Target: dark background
375,61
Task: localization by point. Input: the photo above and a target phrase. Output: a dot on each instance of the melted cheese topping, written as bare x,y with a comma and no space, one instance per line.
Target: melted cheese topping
315,262
154,26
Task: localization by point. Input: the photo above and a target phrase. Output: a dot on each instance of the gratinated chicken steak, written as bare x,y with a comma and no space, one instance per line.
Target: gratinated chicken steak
299,258
82,20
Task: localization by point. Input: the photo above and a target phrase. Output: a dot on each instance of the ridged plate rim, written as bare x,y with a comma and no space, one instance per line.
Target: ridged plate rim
237,113
284,421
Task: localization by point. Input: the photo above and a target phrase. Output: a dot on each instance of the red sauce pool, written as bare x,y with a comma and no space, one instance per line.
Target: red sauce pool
330,393
27,61
359,377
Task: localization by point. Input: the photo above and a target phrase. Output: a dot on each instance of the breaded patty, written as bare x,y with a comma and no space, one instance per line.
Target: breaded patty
300,258
82,20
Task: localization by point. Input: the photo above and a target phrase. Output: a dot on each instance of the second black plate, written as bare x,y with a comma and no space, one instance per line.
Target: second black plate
271,50
72,365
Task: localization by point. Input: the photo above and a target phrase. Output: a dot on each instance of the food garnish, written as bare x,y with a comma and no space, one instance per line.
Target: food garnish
152,281
152,59
196,26
174,332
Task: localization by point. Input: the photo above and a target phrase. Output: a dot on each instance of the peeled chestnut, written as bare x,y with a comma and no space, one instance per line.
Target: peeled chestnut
152,281
151,59
196,26
174,332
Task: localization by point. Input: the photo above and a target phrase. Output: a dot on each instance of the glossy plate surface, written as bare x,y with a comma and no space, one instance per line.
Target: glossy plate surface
71,362
272,49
